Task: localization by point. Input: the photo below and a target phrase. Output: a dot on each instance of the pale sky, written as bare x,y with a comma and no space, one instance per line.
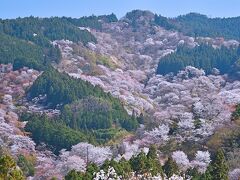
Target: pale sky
78,8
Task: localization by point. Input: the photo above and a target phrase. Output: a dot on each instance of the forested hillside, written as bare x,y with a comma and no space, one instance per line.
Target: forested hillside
93,106
204,57
195,25
22,53
61,89
93,22
88,113
41,30
30,39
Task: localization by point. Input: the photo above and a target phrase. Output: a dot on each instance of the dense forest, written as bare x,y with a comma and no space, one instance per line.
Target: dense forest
41,30
22,53
30,39
62,89
57,135
203,57
86,109
194,24
53,133
94,22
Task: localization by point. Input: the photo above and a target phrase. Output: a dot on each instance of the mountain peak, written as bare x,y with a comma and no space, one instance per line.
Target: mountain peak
139,15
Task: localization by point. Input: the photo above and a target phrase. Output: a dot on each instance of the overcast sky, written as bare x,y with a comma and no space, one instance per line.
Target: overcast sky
78,8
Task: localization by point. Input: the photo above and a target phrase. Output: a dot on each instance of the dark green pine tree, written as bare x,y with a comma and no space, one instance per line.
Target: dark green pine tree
139,163
154,165
152,153
170,167
74,175
140,119
125,168
219,166
91,168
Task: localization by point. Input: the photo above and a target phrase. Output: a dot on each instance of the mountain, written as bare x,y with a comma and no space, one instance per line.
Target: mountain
145,93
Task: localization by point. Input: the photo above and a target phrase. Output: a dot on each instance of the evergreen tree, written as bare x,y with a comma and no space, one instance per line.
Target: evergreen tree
140,119
9,170
91,168
74,175
152,153
125,168
26,166
139,163
170,167
154,165
219,166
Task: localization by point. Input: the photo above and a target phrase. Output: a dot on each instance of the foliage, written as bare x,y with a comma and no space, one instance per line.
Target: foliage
170,167
203,56
139,163
63,89
219,166
22,53
163,22
74,175
53,133
41,30
108,135
91,168
236,113
57,135
154,165
27,41
195,175
92,172
26,165
89,113
93,22
108,18
194,24
9,169
122,168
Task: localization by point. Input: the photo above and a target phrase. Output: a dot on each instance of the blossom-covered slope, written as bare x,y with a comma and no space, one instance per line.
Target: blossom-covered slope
180,112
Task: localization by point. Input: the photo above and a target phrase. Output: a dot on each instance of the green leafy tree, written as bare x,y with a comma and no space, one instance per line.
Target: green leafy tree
125,168
26,166
84,106
91,169
74,175
152,153
9,169
139,163
219,166
53,133
153,162
194,24
170,167
203,57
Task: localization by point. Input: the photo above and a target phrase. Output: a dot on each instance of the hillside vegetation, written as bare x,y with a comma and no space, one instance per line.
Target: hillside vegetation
203,57
194,24
30,40
87,112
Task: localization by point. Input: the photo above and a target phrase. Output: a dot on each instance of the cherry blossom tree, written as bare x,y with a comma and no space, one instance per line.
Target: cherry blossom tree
158,134
182,160
109,175
201,161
